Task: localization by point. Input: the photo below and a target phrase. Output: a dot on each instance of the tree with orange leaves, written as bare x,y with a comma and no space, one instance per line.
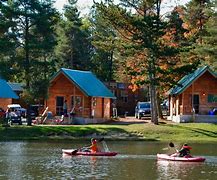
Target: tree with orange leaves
141,30
150,45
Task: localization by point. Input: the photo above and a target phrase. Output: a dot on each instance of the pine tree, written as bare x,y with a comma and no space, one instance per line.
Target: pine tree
207,50
30,28
141,32
7,43
104,42
74,45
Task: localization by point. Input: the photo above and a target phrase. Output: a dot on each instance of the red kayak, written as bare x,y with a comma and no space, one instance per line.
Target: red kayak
183,159
77,153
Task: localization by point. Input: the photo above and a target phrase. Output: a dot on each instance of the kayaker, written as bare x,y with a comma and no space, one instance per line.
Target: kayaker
185,151
94,148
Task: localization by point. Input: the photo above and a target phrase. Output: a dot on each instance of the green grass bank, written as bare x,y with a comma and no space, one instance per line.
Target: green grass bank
194,132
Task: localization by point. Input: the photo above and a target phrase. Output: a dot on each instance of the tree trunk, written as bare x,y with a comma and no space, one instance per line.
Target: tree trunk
29,120
153,96
154,116
160,114
110,66
27,76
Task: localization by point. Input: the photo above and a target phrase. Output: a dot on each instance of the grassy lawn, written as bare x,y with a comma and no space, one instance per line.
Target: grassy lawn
163,132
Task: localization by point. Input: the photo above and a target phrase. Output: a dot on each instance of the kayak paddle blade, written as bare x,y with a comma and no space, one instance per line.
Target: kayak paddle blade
101,139
74,152
171,144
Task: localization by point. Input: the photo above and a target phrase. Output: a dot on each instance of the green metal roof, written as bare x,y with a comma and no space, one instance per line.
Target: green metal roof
87,82
6,91
187,80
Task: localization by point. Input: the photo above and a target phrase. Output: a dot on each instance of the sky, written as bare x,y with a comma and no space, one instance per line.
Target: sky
84,5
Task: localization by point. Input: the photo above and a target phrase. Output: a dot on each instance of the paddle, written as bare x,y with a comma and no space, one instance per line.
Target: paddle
173,146
170,145
76,150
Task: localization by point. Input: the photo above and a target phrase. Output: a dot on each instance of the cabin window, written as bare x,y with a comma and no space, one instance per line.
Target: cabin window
78,100
113,85
212,98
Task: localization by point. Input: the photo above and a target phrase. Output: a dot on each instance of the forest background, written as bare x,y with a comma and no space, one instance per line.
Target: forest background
125,41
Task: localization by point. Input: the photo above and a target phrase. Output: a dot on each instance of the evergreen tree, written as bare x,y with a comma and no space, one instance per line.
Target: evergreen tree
7,43
31,25
28,31
141,32
195,15
150,45
207,50
30,39
74,45
104,42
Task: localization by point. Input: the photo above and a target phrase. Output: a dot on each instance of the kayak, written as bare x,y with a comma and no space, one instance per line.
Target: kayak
183,159
80,153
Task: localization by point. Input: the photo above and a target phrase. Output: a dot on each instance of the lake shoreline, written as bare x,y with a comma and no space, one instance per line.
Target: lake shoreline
188,132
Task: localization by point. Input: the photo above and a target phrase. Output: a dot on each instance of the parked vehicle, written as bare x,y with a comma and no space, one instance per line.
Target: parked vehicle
142,109
15,117
17,107
2,112
35,109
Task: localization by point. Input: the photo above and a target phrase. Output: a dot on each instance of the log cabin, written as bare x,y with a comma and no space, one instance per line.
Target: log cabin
194,98
86,97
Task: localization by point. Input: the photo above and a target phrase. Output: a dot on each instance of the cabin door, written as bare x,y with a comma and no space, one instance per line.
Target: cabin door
196,103
59,105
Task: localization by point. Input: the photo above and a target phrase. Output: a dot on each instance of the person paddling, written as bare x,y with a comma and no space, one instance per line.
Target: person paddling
94,148
185,151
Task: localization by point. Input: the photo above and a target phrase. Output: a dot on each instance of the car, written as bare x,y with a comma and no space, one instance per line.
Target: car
142,109
15,117
35,109
17,107
2,112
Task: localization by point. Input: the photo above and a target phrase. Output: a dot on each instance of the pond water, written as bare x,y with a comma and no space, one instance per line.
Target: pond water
136,160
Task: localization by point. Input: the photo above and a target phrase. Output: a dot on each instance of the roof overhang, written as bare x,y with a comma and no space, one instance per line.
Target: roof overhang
205,69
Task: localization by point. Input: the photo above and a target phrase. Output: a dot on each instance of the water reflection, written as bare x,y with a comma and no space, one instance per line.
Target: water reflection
85,167
175,169
136,160
13,159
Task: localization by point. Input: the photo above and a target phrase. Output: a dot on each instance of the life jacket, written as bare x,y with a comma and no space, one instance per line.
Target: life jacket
187,147
94,148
